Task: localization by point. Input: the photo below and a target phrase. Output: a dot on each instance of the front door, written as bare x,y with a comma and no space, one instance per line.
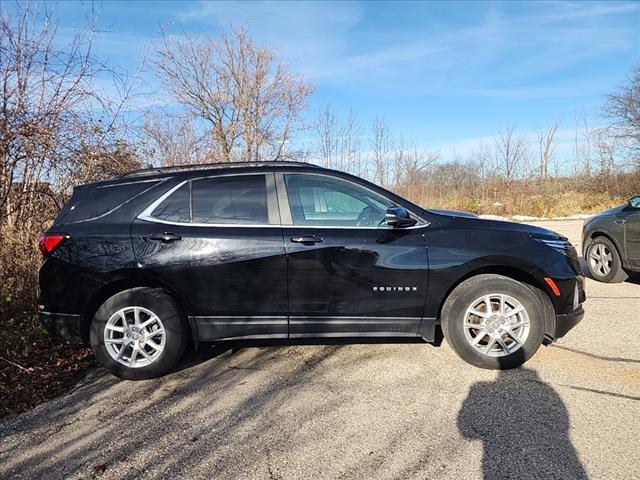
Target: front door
350,274
632,238
217,243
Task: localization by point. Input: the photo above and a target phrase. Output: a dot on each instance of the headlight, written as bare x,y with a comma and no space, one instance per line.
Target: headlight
560,245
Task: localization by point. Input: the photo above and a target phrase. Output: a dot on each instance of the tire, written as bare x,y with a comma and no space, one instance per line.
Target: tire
160,337
610,270
527,324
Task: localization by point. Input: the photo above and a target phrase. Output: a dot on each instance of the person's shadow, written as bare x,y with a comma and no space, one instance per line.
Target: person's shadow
524,428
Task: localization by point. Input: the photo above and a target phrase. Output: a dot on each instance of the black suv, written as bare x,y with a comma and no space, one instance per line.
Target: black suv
141,265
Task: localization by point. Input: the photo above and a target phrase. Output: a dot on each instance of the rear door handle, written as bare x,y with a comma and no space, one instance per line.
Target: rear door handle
307,239
166,237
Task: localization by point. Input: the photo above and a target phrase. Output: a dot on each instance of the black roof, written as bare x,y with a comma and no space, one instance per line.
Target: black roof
211,166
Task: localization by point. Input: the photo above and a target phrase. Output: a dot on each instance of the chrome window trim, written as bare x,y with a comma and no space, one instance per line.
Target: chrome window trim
156,180
274,225
146,213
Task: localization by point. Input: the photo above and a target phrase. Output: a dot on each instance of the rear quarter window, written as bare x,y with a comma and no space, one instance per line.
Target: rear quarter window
90,202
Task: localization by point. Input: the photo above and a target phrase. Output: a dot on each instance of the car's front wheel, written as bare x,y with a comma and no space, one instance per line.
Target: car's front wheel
138,333
493,321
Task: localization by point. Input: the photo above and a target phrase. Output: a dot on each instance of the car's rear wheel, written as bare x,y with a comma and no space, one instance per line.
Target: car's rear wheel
493,321
604,262
139,333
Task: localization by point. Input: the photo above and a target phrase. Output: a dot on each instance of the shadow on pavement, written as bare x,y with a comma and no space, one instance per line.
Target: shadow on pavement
634,278
524,428
193,420
209,350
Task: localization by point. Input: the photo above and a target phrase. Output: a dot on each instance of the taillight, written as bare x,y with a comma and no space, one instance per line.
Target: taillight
50,241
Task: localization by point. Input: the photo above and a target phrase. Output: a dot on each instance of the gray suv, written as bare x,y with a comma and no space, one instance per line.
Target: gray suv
611,242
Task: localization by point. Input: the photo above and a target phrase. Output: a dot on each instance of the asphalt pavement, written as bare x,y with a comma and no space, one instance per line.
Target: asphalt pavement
369,410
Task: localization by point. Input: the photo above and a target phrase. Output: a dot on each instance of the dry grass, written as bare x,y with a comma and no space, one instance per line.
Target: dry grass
557,198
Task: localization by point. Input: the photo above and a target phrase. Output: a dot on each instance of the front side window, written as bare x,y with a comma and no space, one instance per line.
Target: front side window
231,199
325,201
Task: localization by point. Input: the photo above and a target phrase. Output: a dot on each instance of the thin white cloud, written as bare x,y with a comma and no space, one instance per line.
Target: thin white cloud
499,56
513,49
303,32
564,11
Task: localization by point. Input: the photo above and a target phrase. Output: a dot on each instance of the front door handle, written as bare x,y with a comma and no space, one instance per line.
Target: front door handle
166,237
621,221
307,239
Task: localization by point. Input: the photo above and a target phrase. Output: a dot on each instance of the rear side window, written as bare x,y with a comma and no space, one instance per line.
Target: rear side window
232,200
90,202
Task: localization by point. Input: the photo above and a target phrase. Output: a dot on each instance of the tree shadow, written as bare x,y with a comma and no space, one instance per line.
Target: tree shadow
209,350
216,394
524,428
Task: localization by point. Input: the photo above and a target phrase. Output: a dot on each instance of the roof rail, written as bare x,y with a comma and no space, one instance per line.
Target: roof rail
212,166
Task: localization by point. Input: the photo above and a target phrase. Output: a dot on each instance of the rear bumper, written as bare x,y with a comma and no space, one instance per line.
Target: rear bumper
566,321
63,325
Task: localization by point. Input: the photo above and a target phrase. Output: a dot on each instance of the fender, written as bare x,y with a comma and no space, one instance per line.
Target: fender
601,231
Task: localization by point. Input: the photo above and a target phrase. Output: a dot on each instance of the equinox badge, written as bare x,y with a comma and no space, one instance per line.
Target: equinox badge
395,289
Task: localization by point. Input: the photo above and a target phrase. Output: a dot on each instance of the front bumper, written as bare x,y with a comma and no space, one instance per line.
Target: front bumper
62,325
566,321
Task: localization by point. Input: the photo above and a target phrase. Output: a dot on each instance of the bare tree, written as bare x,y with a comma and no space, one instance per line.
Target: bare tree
55,128
481,159
546,148
174,140
410,162
624,108
381,151
349,153
248,99
339,141
328,130
606,146
511,154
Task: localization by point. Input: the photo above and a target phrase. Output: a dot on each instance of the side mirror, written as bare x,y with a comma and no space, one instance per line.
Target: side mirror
634,202
398,217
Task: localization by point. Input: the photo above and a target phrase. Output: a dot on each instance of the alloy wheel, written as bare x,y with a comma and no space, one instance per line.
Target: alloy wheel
600,260
134,337
496,325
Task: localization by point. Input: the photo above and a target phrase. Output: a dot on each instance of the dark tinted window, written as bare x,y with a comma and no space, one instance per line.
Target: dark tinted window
175,208
91,201
321,200
232,199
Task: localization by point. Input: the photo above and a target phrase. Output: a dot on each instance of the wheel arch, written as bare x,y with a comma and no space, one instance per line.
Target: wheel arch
519,275
602,233
121,284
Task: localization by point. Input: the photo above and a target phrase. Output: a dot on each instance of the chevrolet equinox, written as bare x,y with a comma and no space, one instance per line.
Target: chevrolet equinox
142,265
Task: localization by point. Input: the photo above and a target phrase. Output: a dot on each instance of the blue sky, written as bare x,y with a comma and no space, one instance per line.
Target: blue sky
444,74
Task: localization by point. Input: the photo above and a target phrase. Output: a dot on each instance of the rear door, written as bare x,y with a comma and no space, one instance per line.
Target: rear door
349,274
217,243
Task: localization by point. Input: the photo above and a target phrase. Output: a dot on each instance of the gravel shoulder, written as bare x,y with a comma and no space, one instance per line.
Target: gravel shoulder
403,410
